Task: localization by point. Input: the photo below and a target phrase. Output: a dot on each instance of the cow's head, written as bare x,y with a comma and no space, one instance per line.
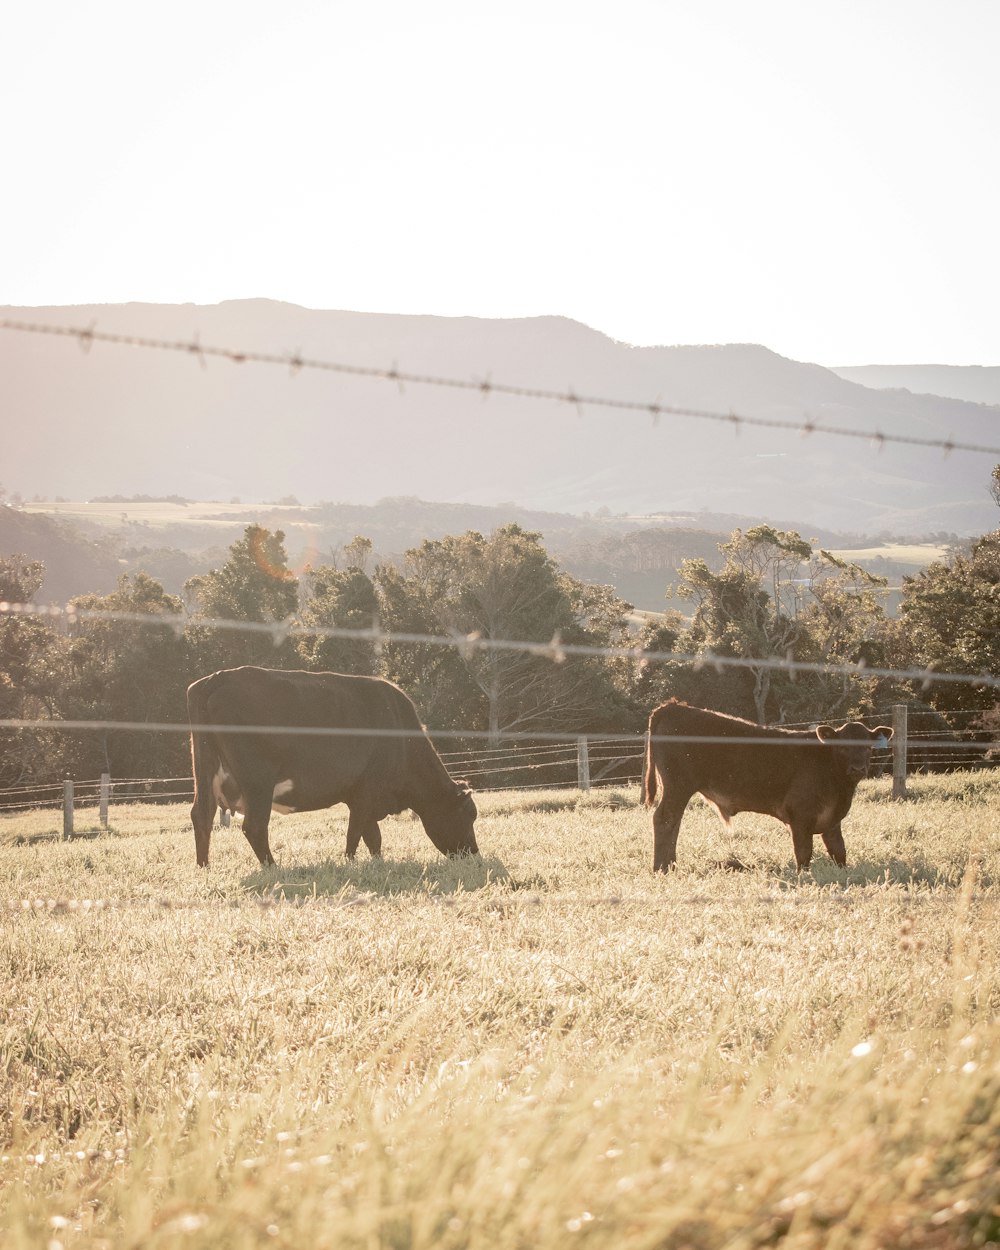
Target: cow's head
450,822
853,743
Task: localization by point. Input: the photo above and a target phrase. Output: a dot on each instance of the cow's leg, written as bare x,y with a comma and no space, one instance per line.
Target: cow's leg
362,825
257,817
833,839
802,842
666,825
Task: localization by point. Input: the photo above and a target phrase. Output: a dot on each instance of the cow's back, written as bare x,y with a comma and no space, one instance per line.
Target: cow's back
334,734
736,763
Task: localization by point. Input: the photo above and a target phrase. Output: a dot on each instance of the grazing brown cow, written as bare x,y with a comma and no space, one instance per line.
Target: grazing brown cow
377,757
807,779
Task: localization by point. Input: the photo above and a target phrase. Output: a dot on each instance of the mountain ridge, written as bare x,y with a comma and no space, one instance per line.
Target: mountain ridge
129,420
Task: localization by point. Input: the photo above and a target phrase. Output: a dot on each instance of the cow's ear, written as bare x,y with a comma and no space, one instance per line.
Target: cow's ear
881,735
825,732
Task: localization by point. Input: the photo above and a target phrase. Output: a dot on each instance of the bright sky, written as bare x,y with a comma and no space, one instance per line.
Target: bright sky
820,178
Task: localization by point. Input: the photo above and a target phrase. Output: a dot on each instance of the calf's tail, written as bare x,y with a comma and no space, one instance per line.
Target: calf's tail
650,778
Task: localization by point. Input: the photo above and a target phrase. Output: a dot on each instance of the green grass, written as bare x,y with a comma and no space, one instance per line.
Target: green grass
544,1046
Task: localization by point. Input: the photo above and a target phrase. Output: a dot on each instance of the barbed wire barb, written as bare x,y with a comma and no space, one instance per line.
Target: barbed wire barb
197,352
85,339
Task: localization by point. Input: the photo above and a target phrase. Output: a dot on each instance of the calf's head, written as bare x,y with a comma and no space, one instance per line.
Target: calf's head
450,822
853,743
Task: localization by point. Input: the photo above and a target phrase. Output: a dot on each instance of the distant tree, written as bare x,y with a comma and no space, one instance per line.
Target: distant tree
775,599
743,610
30,668
256,585
506,587
951,616
124,670
357,553
434,676
995,485
340,599
841,612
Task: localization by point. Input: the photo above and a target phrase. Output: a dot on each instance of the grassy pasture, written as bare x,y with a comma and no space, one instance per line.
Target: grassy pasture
545,1046
161,513
917,554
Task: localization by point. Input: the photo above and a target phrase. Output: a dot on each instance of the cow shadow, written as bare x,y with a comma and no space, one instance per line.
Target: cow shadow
891,870
386,878
886,871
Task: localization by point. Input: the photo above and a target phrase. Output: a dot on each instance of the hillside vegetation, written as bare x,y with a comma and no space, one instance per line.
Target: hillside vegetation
542,1047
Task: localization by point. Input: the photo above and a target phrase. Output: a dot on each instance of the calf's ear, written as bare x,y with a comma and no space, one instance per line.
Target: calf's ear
825,732
881,735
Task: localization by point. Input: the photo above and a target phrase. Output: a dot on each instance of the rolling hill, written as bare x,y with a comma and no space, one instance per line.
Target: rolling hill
130,420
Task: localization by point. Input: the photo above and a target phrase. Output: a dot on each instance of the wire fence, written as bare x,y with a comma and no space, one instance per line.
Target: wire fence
612,762
294,362
555,649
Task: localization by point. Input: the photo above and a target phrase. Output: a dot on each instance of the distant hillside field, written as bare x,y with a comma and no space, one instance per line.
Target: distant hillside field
917,554
87,544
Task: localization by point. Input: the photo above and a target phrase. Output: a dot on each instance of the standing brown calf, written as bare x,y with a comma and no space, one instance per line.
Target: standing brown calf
806,779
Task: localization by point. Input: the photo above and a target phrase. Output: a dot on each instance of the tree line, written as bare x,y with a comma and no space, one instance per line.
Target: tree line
775,596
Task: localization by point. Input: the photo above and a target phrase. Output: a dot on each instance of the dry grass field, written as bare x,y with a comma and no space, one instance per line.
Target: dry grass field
917,554
544,1047
159,512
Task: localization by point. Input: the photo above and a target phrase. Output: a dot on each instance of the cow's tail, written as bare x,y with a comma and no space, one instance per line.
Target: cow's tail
650,777
205,762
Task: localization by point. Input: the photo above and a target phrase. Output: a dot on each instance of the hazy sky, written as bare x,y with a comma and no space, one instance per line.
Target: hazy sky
820,178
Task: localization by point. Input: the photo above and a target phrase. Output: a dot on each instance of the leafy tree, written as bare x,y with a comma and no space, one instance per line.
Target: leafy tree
256,585
434,676
122,670
775,598
340,599
30,661
506,587
951,614
840,609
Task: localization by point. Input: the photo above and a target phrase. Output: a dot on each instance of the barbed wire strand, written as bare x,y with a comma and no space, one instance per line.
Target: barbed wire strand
772,736
294,362
556,649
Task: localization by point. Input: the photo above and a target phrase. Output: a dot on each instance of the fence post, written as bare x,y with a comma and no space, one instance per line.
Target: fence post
582,763
105,798
899,750
67,808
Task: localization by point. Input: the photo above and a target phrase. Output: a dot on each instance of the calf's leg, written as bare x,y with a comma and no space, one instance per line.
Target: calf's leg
802,842
833,839
666,825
